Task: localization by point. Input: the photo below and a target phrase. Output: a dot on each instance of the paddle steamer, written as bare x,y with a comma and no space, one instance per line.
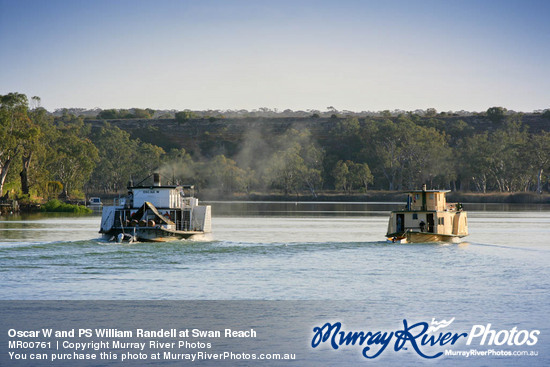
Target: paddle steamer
156,213
427,217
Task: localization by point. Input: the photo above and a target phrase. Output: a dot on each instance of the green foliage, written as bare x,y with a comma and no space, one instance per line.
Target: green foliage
185,115
350,175
223,174
497,160
108,114
341,176
53,189
135,113
121,159
46,155
296,163
58,206
178,166
496,114
143,114
73,160
15,129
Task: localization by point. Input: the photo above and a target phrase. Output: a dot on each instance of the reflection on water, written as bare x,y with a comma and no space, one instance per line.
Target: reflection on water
237,208
250,208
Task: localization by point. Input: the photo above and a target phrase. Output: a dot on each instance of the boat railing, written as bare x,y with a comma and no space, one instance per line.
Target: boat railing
453,207
120,201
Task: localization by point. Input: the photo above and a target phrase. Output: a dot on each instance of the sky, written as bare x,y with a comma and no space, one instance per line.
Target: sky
450,55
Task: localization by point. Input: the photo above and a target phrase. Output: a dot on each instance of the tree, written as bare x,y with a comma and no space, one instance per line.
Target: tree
284,170
494,161
296,163
507,146
430,112
53,189
35,149
409,155
224,175
475,152
15,129
388,152
116,158
345,137
496,114
108,114
361,175
179,165
539,155
142,114
148,159
185,115
341,176
350,175
74,160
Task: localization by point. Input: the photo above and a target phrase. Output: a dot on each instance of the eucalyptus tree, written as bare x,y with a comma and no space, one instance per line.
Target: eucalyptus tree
475,152
147,158
361,175
36,149
345,139
296,163
224,175
496,114
507,146
409,155
539,155
73,160
388,146
15,129
117,158
340,172
178,165
497,160
350,175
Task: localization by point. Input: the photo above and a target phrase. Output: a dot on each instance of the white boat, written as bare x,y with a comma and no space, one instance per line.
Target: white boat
95,202
428,217
156,213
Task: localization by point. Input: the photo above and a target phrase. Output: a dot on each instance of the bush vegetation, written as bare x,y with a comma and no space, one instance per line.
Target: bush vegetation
58,206
63,155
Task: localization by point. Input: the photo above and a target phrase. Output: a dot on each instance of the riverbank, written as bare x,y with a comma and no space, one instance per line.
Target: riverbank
382,196
371,196
9,207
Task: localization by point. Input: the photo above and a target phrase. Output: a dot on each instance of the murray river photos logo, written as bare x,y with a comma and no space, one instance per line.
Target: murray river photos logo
422,337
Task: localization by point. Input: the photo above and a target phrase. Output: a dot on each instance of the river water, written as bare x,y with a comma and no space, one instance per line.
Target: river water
500,274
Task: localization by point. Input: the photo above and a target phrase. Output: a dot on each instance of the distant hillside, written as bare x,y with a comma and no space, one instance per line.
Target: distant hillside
222,136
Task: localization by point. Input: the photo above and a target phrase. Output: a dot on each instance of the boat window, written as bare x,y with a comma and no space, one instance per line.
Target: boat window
440,220
415,216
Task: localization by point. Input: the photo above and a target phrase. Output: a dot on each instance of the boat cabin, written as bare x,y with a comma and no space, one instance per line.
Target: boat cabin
95,201
427,212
